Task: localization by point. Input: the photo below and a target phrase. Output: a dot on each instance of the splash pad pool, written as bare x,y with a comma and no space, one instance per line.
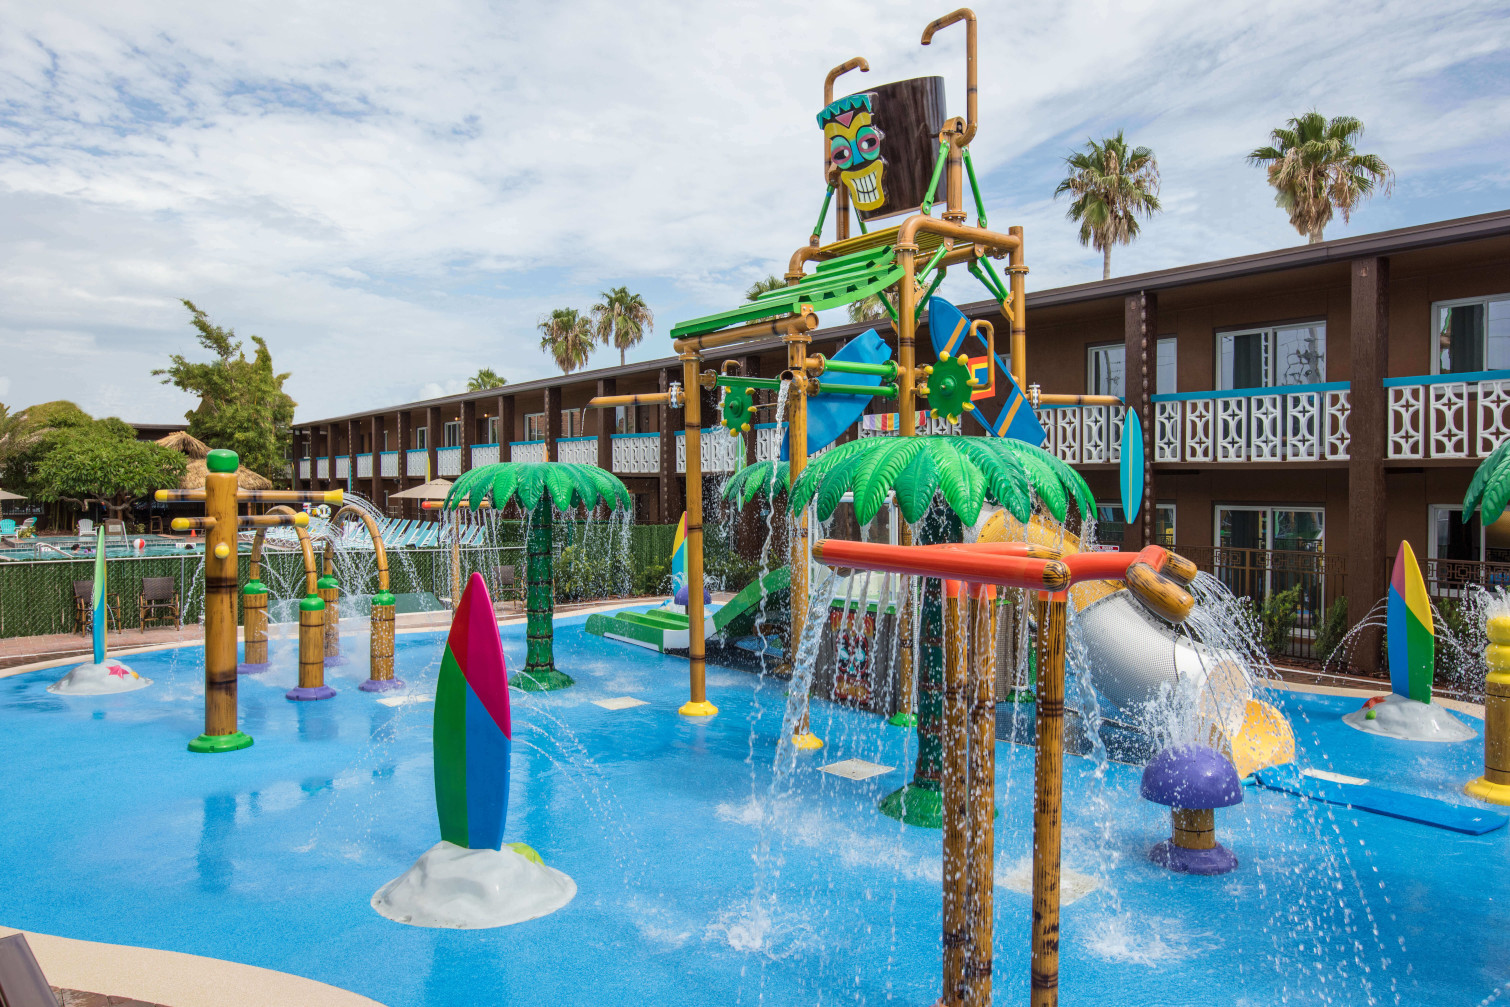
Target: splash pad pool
704,874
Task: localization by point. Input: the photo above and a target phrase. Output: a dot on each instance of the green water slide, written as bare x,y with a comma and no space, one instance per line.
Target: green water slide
661,630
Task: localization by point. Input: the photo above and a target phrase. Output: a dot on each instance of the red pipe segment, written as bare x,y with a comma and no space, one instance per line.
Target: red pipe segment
964,563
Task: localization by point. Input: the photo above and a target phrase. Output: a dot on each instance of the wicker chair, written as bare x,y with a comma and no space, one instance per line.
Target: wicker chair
159,601
83,607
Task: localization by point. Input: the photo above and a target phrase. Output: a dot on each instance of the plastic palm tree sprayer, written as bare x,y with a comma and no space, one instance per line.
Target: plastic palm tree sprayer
220,523
1489,492
540,489
1157,576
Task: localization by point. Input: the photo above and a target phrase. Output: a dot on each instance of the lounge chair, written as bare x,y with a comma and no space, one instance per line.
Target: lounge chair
83,607
28,528
7,528
159,601
22,982
86,527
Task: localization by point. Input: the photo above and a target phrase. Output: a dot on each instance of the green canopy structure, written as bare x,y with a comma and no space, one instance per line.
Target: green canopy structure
540,489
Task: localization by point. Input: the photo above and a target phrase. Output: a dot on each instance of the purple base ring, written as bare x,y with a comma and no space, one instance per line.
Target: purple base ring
310,692
1217,860
253,669
336,660
381,684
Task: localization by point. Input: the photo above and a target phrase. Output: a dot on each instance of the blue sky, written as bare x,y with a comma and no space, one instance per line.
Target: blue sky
392,194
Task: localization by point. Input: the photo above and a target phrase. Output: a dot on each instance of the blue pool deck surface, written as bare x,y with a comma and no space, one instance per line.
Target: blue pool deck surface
704,876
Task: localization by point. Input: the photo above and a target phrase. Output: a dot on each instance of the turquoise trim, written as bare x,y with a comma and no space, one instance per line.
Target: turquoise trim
1447,379
620,436
767,426
388,454
1248,393
564,440
489,444
520,444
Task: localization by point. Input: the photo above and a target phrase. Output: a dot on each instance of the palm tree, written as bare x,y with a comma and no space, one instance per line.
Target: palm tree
1112,186
484,379
566,334
540,489
622,319
765,286
1315,169
868,309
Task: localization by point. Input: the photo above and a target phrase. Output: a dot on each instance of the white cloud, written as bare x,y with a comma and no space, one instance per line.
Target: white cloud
392,194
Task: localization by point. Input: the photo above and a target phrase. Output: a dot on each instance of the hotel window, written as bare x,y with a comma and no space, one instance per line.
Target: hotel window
1471,335
1165,363
534,426
385,440
452,433
1111,527
492,435
623,419
573,422
421,438
1451,538
1273,357
1103,369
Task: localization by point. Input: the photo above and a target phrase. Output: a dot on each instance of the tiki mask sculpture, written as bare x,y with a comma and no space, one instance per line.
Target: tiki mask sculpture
884,142
854,147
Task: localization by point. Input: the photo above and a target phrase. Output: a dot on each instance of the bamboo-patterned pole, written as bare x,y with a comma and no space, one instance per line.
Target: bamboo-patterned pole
220,575
254,627
697,704
980,894
796,402
1048,778
955,791
907,420
330,594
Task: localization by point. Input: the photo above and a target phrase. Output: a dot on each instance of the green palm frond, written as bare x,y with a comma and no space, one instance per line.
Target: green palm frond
1315,169
567,484
1113,185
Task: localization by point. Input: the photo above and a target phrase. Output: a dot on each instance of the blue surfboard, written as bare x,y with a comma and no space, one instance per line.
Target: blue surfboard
828,416
947,328
1131,474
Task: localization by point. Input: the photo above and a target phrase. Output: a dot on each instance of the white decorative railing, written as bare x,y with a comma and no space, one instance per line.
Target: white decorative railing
1294,423
767,442
1448,415
322,468
388,464
721,451
364,466
343,466
527,451
1084,435
415,462
448,461
303,468
579,450
484,454
637,454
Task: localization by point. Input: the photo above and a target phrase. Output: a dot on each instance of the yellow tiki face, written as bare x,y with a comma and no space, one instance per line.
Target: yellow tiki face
854,147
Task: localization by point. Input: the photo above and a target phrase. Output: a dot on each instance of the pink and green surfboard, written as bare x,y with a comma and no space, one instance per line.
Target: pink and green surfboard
1411,635
473,731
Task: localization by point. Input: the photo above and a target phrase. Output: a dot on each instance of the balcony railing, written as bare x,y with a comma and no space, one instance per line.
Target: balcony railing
364,465
1448,415
637,454
388,464
1084,435
484,454
1259,574
322,468
579,450
721,452
416,462
303,468
448,462
527,451
343,467
1295,423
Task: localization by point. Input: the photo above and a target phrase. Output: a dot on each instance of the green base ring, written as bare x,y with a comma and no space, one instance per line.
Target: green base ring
903,720
915,805
208,743
548,680
1020,696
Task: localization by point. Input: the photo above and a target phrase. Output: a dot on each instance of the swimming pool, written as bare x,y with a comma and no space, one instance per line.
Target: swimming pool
703,876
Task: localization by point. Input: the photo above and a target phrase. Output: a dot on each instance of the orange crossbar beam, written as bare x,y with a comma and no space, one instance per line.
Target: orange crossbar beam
965,563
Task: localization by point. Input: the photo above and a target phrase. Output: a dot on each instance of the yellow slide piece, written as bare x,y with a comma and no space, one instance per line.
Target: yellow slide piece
1265,740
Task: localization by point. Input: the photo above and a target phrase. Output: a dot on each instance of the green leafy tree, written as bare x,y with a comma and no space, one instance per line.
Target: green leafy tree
1316,170
103,461
1113,185
484,379
27,435
622,319
242,404
566,334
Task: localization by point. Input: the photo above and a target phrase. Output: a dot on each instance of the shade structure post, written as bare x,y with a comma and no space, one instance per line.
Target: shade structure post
956,935
697,704
1048,778
981,855
220,575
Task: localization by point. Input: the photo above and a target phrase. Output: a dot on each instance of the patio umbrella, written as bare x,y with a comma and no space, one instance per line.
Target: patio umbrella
4,496
435,489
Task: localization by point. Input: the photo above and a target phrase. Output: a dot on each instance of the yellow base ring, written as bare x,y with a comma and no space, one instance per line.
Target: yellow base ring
703,709
807,740
1494,793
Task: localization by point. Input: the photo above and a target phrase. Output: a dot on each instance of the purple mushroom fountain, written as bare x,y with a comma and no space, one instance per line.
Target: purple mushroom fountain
680,598
1192,781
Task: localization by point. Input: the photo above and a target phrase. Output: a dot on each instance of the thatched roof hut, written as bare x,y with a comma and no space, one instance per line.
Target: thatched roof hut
245,478
182,440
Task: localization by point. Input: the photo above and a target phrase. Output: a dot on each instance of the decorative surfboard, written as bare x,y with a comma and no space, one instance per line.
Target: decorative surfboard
679,555
1411,634
473,732
829,415
101,624
947,328
1130,476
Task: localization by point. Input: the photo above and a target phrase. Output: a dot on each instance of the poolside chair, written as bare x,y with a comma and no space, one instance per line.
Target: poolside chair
159,601
7,528
83,607
22,982
28,528
155,525
86,527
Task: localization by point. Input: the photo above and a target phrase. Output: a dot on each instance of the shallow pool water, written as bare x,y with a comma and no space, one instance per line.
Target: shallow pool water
705,878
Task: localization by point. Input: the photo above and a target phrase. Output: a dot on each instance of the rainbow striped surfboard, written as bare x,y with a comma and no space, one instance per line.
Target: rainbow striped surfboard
473,733
101,626
679,556
1411,634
